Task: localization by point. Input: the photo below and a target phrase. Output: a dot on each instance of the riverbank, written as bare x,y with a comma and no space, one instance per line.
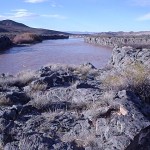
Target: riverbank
65,107
18,33
26,38
142,41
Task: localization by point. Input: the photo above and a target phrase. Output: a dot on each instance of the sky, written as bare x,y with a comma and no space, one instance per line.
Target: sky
79,15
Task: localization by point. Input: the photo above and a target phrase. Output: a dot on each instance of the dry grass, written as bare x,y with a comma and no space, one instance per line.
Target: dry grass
85,71
40,100
4,101
138,79
21,78
114,82
26,38
38,87
135,77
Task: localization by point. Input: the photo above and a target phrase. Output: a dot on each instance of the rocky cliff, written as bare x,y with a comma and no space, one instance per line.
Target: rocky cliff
112,41
79,108
124,56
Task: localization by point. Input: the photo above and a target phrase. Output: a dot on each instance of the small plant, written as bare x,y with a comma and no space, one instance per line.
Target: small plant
114,82
4,101
38,87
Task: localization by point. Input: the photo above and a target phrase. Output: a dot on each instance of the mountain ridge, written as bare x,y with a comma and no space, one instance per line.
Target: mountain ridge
10,26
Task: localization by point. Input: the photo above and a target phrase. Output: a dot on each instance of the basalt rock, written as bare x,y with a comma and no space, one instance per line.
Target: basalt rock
5,42
112,41
65,109
124,56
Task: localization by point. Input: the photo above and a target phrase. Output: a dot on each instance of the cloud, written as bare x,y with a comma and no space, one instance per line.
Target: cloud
18,14
54,3
56,16
141,2
144,17
35,1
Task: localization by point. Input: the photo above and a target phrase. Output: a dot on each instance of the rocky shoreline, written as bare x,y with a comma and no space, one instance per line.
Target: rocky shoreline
113,41
79,108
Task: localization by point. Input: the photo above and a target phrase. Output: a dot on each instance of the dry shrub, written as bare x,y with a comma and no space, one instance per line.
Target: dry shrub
38,87
4,101
25,77
21,79
40,100
138,78
26,38
114,82
135,77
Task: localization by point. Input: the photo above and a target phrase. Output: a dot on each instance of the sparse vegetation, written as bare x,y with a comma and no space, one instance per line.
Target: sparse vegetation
4,101
135,77
93,110
21,79
26,38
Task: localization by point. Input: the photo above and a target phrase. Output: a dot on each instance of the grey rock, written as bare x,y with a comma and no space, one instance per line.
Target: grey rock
11,146
35,141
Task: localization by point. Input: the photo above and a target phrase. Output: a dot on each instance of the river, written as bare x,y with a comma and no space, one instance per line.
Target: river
67,51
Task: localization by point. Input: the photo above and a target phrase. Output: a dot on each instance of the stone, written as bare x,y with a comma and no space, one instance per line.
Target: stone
18,97
35,141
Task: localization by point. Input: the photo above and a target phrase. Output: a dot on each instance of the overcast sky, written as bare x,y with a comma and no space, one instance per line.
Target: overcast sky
79,15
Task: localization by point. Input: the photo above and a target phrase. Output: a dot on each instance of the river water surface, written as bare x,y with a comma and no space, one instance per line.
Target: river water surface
66,51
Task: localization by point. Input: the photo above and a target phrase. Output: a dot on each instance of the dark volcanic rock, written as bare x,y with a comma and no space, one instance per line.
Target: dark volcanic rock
69,108
18,97
5,42
141,141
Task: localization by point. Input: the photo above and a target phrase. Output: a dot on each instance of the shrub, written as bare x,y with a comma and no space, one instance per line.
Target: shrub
26,38
138,78
135,77
4,101
38,87
21,79
114,81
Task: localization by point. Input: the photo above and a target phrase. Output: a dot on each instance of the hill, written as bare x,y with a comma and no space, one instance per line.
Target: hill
10,26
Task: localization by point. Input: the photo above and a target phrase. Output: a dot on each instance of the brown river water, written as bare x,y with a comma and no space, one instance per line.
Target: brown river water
67,51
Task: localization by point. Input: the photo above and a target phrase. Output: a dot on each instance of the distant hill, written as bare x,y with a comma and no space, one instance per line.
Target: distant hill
10,23
10,26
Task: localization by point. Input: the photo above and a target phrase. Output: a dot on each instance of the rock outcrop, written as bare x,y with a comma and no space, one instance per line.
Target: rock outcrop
124,56
79,108
5,42
66,107
112,41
